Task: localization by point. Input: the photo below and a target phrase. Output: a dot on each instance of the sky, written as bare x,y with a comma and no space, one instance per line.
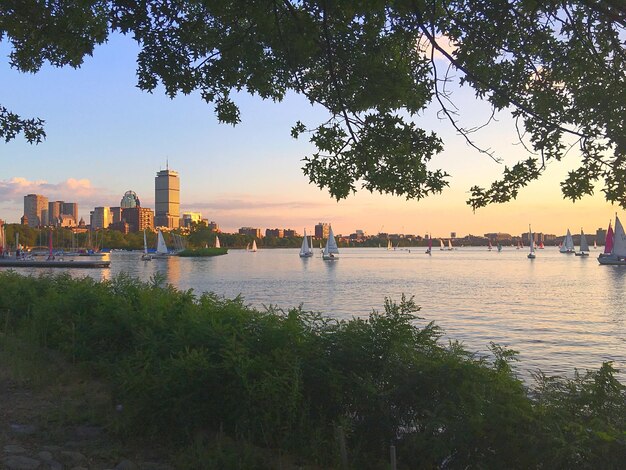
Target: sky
105,136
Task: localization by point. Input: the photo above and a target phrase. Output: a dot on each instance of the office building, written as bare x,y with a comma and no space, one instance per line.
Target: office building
251,231
274,232
322,230
213,227
190,218
34,204
129,200
100,218
601,236
138,218
290,233
167,199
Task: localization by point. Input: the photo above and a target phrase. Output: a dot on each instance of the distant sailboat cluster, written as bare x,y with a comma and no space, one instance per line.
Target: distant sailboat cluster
615,245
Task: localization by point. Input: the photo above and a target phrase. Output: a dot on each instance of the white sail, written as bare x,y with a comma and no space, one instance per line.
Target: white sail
441,244
161,246
145,243
619,239
584,246
389,245
450,244
531,254
253,245
217,242
331,244
568,244
305,250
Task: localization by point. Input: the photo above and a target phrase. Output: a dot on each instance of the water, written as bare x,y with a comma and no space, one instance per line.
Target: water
560,312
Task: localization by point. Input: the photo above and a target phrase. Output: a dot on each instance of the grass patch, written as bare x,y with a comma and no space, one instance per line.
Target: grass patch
202,252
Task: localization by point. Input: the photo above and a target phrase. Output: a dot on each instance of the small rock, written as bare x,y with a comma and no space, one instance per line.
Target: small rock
71,458
88,432
14,449
51,448
125,465
45,455
54,465
20,462
155,466
24,428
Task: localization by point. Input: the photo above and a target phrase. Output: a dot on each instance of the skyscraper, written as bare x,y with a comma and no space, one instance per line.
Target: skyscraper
34,204
167,199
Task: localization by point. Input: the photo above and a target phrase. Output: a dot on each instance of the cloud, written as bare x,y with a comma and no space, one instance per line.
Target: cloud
81,191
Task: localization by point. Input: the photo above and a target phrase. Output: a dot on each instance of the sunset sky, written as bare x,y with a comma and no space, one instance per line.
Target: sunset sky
105,136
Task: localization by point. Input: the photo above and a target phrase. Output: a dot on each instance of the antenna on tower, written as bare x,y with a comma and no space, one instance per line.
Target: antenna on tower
167,163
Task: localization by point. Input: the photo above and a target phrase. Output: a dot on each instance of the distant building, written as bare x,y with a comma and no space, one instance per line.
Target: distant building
322,230
116,215
275,232
537,237
100,218
452,234
121,226
213,227
253,232
54,213
34,204
495,237
66,220
70,208
601,236
167,199
289,233
138,218
190,218
130,200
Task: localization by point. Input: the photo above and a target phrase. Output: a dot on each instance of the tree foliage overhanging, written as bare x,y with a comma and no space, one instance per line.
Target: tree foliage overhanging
375,66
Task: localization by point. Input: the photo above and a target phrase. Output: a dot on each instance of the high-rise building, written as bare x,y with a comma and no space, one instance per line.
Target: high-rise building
167,199
54,212
100,218
138,218
71,208
275,232
213,227
129,200
34,204
116,215
322,230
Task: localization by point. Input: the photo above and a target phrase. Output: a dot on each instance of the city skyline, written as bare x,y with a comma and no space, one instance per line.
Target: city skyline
102,144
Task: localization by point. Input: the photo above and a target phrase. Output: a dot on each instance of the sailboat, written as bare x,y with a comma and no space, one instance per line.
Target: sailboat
490,247
253,249
595,245
608,242
429,251
389,245
541,246
499,247
145,256
568,244
531,254
161,250
330,250
217,242
519,245
305,250
441,247
617,244
584,246
450,245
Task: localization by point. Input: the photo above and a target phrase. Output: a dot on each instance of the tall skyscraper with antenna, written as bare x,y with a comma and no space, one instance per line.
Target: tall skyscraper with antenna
167,198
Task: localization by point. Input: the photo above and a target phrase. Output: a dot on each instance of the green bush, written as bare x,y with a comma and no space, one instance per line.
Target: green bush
181,365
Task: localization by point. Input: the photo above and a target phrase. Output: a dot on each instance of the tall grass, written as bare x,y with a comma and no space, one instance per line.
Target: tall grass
181,364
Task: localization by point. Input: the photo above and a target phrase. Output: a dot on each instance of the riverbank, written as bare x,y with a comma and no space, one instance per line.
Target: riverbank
180,366
202,252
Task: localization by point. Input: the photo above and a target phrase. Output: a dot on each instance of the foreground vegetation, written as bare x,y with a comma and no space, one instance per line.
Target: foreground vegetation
182,365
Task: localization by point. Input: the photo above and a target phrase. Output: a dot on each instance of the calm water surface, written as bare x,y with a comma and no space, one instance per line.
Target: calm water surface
560,312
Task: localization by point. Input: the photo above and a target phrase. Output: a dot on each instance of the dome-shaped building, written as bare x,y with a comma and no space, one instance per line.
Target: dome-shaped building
130,200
